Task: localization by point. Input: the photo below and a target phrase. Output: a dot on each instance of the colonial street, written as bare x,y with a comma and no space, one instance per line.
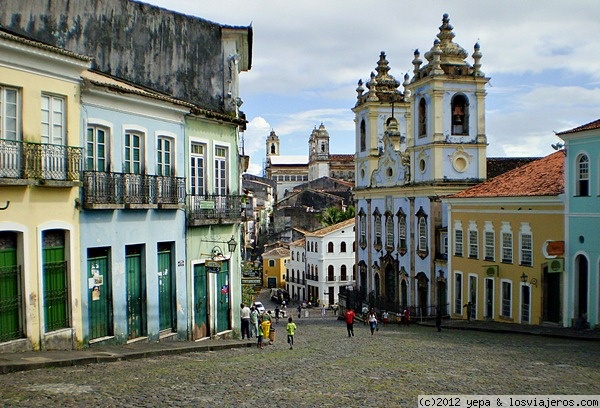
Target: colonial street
325,368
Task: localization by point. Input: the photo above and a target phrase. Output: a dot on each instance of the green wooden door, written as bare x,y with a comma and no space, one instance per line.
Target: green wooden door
166,295
222,293
202,326
136,293
56,294
100,294
11,307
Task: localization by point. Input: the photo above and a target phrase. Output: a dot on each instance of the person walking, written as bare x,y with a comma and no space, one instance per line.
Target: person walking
290,328
438,320
349,317
245,315
469,307
372,318
386,318
276,314
253,322
299,309
406,316
365,311
323,310
260,336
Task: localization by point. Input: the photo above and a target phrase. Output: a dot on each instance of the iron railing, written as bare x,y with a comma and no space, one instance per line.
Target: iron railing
11,303
24,160
215,208
105,189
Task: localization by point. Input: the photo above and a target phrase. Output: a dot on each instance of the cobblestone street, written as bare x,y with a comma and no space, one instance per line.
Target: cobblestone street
325,368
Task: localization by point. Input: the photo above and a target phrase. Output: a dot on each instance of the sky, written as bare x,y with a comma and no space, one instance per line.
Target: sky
543,58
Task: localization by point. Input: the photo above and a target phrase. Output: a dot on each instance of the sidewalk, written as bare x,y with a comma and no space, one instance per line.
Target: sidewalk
498,327
31,360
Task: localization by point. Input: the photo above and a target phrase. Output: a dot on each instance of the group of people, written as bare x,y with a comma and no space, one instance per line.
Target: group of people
259,325
370,317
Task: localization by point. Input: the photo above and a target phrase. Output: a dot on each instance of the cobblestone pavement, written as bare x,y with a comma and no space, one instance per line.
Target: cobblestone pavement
326,368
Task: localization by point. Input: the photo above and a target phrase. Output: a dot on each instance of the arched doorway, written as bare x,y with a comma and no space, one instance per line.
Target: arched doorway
581,286
390,284
377,287
422,293
403,293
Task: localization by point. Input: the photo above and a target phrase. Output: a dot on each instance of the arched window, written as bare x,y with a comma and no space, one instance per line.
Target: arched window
343,273
460,115
363,136
343,247
316,247
422,118
292,256
422,234
273,148
583,176
330,274
330,247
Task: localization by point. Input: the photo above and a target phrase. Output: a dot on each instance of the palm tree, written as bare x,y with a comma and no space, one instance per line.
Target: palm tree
333,215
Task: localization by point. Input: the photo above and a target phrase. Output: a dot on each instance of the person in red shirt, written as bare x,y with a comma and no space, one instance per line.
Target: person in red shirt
350,315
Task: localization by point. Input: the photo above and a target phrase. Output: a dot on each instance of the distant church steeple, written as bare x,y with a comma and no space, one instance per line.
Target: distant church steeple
272,144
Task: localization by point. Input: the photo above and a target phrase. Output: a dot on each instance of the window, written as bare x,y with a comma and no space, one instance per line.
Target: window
343,246
444,244
330,247
473,243
316,247
526,245
422,234
362,225
389,232
164,147
506,299
460,115
292,255
363,136
330,273
220,170
10,114
489,238
401,232
133,153
377,219
458,307
343,273
583,176
197,169
96,147
271,263
53,120
422,118
507,242
458,242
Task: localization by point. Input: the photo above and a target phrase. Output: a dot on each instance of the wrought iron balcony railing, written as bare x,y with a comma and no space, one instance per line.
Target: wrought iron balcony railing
215,209
40,161
106,190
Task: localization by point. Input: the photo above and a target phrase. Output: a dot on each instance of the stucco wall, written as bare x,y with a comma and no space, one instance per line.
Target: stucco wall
174,53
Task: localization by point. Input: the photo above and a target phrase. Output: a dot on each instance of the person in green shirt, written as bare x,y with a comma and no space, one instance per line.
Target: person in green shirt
291,330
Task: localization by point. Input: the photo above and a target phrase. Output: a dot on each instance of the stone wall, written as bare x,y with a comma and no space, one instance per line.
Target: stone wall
174,53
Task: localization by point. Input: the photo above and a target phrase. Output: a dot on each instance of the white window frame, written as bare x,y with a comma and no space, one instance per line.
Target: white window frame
473,241
506,236
489,242
389,231
198,168
582,173
506,304
93,147
54,119
10,113
423,236
129,163
458,293
458,240
221,157
165,154
402,232
525,245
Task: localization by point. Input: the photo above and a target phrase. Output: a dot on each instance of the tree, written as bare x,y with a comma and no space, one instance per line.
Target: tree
333,215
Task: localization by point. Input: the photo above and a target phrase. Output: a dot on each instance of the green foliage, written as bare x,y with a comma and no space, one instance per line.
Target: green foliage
334,215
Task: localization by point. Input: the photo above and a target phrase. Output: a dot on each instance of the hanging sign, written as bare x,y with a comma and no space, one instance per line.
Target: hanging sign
212,266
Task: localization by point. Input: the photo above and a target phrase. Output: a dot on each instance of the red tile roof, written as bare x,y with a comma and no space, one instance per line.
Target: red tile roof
542,177
588,126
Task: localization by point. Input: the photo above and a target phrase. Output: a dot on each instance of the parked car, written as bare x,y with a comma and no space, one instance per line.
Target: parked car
259,306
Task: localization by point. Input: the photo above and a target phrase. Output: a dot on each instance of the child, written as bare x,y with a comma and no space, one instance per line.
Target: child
260,336
291,329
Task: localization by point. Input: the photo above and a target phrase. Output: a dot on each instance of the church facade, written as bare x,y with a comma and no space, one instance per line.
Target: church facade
413,147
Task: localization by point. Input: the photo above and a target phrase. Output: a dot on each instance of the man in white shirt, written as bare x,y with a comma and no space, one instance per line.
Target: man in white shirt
245,314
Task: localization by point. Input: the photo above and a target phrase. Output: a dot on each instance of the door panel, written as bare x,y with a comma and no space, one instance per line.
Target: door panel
166,294
136,295
201,324
100,297
222,293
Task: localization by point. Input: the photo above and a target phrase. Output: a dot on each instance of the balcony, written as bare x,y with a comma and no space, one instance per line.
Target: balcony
215,209
23,163
107,190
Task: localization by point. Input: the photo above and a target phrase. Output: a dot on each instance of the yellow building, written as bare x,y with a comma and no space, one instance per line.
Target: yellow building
500,232
40,130
274,265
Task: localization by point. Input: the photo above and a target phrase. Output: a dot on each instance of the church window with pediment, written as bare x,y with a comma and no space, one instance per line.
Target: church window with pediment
402,248
422,118
377,219
460,115
362,225
389,232
423,236
363,136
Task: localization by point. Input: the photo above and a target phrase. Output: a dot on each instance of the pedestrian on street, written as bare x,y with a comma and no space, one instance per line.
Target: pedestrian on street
253,322
438,320
277,314
372,317
386,318
365,311
245,314
469,307
349,317
406,316
323,310
299,311
291,330
260,334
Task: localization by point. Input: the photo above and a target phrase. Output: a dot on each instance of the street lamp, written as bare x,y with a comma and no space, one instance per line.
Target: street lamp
217,252
532,281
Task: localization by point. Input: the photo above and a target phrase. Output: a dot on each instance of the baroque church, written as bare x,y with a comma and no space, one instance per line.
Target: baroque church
413,147
292,171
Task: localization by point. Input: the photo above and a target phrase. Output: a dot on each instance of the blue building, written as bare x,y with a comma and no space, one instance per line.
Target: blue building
132,220
582,223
